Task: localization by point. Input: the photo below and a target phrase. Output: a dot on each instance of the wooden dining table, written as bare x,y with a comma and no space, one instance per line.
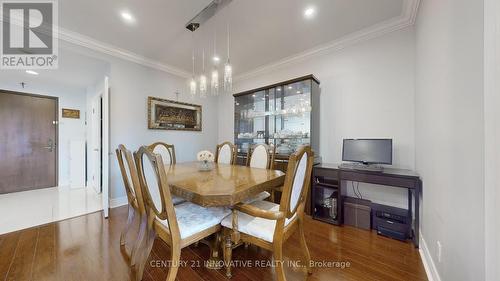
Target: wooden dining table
223,186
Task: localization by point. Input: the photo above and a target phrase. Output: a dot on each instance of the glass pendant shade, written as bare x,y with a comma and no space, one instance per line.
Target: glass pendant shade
228,77
203,86
214,83
192,87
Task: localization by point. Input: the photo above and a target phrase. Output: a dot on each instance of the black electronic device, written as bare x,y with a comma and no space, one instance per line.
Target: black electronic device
367,151
391,221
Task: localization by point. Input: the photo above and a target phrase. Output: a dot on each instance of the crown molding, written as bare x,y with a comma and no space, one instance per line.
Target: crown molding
90,43
406,19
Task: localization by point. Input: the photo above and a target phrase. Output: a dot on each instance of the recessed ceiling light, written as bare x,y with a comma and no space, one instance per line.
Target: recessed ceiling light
309,12
31,72
127,17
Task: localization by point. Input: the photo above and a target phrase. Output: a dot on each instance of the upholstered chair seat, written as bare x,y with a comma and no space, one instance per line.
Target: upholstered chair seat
256,226
193,218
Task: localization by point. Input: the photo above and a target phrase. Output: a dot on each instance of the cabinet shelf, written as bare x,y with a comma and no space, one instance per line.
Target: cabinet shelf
280,115
326,198
326,219
326,185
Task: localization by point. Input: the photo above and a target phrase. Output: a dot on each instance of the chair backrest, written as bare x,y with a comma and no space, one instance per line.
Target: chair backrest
298,178
156,191
225,153
261,156
167,152
130,178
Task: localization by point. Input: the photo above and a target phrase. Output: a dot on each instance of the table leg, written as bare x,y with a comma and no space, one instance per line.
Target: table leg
416,239
410,211
215,262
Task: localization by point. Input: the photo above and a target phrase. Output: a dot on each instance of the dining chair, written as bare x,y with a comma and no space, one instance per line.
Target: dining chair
134,197
167,152
260,156
269,225
179,226
225,153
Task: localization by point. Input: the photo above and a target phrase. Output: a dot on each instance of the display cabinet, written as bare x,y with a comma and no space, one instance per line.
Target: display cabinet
285,114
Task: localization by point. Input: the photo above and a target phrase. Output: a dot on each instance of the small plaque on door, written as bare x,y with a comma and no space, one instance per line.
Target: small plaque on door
71,113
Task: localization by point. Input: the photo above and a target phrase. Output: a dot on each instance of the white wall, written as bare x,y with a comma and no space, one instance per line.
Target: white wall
130,85
69,97
367,90
450,134
492,138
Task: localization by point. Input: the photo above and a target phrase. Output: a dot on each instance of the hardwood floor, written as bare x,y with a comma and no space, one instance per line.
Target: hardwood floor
87,248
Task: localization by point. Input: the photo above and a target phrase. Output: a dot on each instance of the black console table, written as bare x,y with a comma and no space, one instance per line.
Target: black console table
330,177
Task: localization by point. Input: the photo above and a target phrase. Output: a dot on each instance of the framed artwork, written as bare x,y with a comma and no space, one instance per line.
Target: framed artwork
71,113
172,115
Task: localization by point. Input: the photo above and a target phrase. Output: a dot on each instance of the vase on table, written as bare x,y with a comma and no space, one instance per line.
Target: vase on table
205,166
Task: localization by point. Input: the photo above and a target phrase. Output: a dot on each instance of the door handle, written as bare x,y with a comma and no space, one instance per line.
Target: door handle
50,145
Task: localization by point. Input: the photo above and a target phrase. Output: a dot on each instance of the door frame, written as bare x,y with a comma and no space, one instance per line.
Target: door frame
56,99
105,115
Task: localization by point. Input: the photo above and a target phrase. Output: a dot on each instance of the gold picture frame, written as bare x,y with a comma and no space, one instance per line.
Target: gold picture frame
70,113
166,114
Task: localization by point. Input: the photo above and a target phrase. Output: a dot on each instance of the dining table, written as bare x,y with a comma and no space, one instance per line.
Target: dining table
223,185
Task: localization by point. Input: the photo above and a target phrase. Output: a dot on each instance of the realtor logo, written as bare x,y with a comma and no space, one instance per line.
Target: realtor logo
28,35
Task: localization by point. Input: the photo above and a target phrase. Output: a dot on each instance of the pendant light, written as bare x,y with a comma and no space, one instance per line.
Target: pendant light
214,83
192,82
203,79
228,69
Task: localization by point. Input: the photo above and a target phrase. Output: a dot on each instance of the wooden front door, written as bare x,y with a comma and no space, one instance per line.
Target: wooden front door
28,141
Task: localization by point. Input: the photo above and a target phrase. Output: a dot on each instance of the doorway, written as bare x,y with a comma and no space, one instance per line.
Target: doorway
98,142
28,141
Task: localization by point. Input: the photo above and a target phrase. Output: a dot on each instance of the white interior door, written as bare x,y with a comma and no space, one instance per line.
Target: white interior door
96,144
105,148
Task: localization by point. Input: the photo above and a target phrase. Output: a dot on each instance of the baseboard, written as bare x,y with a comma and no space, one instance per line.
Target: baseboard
425,255
117,202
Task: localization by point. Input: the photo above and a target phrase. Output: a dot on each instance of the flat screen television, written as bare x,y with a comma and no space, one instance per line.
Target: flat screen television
367,151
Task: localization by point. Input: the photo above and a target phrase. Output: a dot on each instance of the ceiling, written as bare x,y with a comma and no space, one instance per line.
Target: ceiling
75,71
262,31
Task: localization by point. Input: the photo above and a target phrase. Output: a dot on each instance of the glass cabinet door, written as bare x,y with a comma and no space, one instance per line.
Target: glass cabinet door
250,120
292,117
278,115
